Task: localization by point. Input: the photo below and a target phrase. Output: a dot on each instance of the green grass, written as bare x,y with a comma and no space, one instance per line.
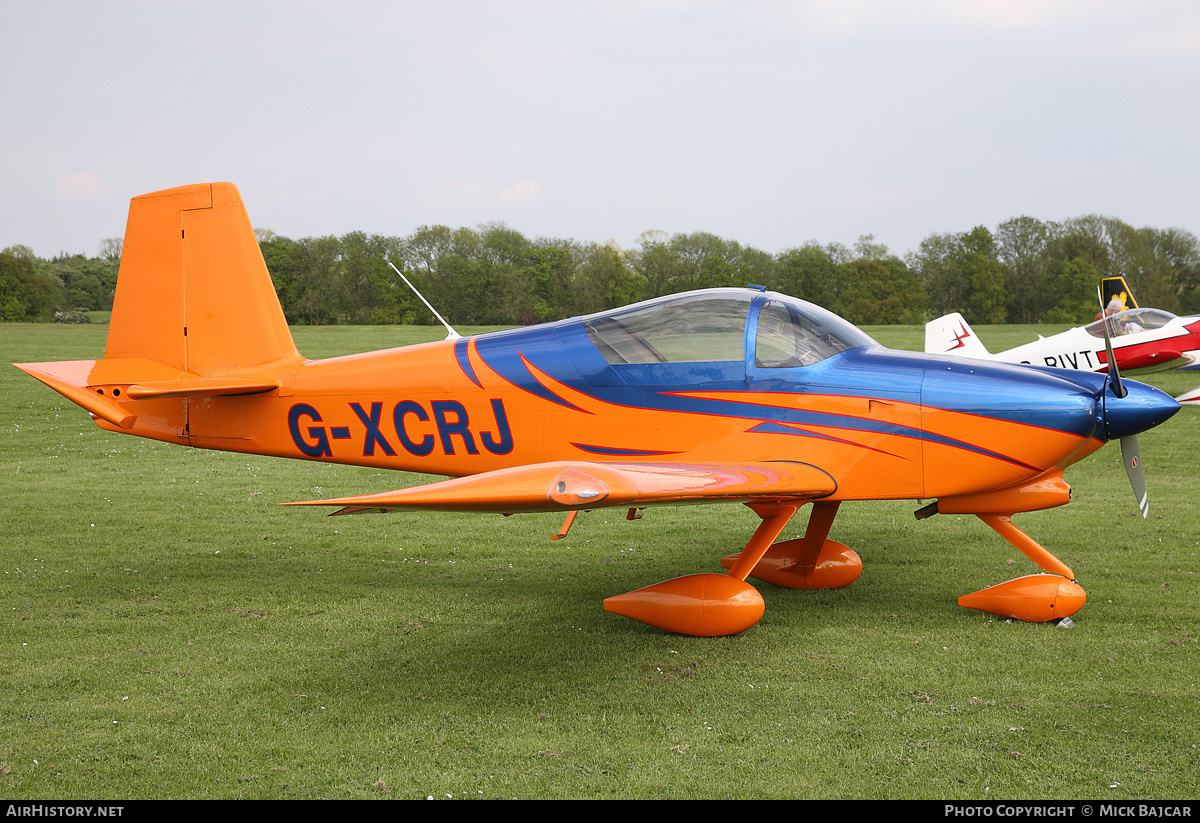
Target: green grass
169,631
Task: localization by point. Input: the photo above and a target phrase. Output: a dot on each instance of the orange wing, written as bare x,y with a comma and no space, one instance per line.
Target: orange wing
569,486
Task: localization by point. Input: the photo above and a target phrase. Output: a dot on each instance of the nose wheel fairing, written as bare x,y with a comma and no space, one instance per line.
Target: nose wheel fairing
1035,598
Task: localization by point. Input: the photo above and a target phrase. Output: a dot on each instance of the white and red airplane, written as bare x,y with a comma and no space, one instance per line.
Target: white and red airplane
1143,340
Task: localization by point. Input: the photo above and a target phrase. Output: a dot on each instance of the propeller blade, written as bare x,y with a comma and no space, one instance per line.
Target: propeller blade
1131,453
1131,456
1114,374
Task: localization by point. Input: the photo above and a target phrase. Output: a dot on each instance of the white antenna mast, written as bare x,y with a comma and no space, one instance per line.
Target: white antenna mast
451,332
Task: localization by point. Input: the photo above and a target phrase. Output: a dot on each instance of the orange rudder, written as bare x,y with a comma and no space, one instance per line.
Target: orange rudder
193,292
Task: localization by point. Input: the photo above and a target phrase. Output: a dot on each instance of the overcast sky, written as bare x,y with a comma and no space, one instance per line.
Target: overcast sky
769,123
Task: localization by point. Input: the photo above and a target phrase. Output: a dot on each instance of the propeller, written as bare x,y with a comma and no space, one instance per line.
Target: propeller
1131,454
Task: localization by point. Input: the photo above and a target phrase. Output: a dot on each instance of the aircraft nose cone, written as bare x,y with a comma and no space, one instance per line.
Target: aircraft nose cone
1144,407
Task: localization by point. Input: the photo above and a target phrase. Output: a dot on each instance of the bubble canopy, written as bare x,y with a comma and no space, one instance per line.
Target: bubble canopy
1130,321
712,325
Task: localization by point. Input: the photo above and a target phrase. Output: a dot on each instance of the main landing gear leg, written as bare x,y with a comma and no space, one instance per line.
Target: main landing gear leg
1036,598
709,605
809,562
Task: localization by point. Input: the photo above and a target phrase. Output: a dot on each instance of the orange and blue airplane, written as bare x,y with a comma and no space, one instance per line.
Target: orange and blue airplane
719,395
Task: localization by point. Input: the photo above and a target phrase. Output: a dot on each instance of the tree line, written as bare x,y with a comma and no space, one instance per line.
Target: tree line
36,290
1023,271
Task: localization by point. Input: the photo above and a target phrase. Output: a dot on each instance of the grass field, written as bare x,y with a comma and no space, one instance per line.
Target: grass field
170,632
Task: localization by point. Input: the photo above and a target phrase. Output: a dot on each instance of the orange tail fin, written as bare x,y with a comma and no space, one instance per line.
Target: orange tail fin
193,291
195,316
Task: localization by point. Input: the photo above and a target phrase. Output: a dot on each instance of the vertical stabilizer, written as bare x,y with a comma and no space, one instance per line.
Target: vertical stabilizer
193,292
1116,287
951,335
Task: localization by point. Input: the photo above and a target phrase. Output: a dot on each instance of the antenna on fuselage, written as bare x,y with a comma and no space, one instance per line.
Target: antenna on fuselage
451,333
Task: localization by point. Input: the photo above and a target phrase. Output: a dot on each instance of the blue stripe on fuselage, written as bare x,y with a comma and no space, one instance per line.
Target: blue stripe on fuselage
1021,394
464,359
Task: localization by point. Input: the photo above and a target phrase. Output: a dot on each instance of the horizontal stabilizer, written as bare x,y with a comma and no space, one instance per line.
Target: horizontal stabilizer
63,378
193,386
1192,397
563,486
108,388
